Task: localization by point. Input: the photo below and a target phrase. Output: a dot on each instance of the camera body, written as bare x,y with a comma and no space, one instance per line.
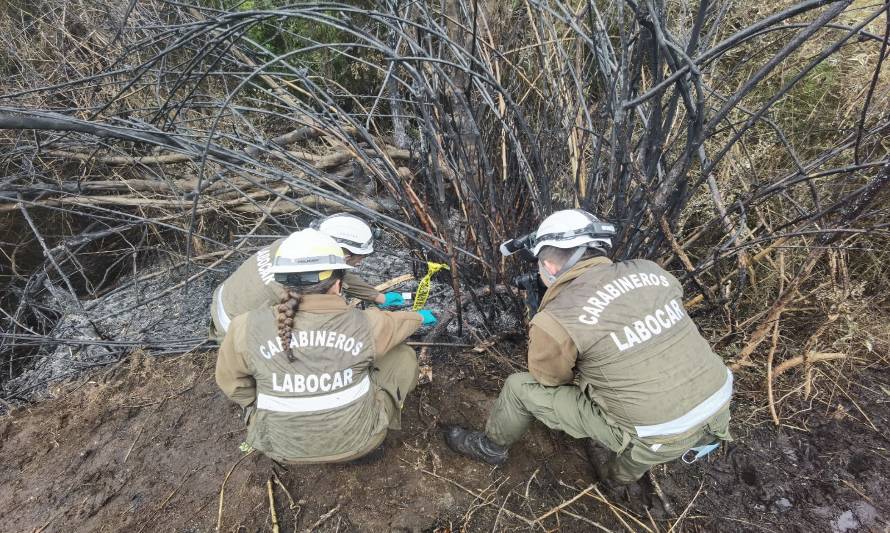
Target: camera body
599,233
529,282
534,289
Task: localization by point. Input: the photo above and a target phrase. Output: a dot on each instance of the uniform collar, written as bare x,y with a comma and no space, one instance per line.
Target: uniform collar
570,275
323,303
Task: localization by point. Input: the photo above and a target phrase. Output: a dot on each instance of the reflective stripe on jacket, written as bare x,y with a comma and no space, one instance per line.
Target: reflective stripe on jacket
323,406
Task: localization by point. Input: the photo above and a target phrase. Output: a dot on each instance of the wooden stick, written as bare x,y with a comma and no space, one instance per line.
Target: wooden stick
687,263
312,200
293,506
699,298
587,521
441,344
287,492
497,518
652,521
774,344
856,405
49,255
775,310
272,506
798,360
615,510
131,201
222,489
478,496
686,510
859,492
386,285
660,493
323,518
769,375
51,519
299,134
565,503
163,159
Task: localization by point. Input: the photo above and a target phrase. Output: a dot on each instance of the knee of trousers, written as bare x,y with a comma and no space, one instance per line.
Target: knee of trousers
515,386
400,364
404,357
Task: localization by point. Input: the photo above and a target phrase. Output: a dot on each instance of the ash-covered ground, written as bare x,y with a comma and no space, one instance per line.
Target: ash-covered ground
156,312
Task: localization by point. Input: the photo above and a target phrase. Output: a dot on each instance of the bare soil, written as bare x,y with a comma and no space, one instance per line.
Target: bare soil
153,445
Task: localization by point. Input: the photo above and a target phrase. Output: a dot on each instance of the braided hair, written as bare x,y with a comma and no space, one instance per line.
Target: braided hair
290,304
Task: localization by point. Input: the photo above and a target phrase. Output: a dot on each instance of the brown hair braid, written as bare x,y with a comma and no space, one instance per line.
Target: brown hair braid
290,305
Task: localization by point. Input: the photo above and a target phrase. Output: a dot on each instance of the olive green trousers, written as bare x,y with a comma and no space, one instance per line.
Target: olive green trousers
395,375
567,408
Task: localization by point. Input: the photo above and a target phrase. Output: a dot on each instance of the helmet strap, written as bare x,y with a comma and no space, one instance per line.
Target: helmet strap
572,261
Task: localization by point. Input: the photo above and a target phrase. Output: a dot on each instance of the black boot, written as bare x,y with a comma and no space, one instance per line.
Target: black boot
599,459
476,445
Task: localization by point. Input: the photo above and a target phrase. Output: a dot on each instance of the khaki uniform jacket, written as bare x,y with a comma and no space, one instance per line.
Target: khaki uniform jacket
323,406
622,329
252,286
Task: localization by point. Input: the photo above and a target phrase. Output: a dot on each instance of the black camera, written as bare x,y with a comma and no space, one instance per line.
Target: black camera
534,290
526,280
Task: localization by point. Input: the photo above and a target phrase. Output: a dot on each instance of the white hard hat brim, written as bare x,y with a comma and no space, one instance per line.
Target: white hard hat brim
315,268
568,243
358,250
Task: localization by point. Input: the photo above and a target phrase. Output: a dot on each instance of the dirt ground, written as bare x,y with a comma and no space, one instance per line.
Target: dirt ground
153,445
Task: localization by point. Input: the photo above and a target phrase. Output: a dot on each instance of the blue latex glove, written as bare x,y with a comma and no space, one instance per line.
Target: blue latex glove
429,318
393,299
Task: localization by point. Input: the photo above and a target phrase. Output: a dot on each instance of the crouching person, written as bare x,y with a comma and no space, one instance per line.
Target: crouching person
253,284
323,381
612,356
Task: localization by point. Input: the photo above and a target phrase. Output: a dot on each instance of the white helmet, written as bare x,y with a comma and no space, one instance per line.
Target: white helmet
306,257
570,228
350,231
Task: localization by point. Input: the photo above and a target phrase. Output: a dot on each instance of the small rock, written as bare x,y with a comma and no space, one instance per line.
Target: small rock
845,522
867,514
782,504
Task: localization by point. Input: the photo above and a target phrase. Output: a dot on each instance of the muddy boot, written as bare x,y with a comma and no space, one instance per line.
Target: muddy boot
598,457
602,462
476,445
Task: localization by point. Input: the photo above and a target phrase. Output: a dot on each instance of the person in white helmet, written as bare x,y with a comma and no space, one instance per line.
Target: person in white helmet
357,240
322,382
253,284
612,356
